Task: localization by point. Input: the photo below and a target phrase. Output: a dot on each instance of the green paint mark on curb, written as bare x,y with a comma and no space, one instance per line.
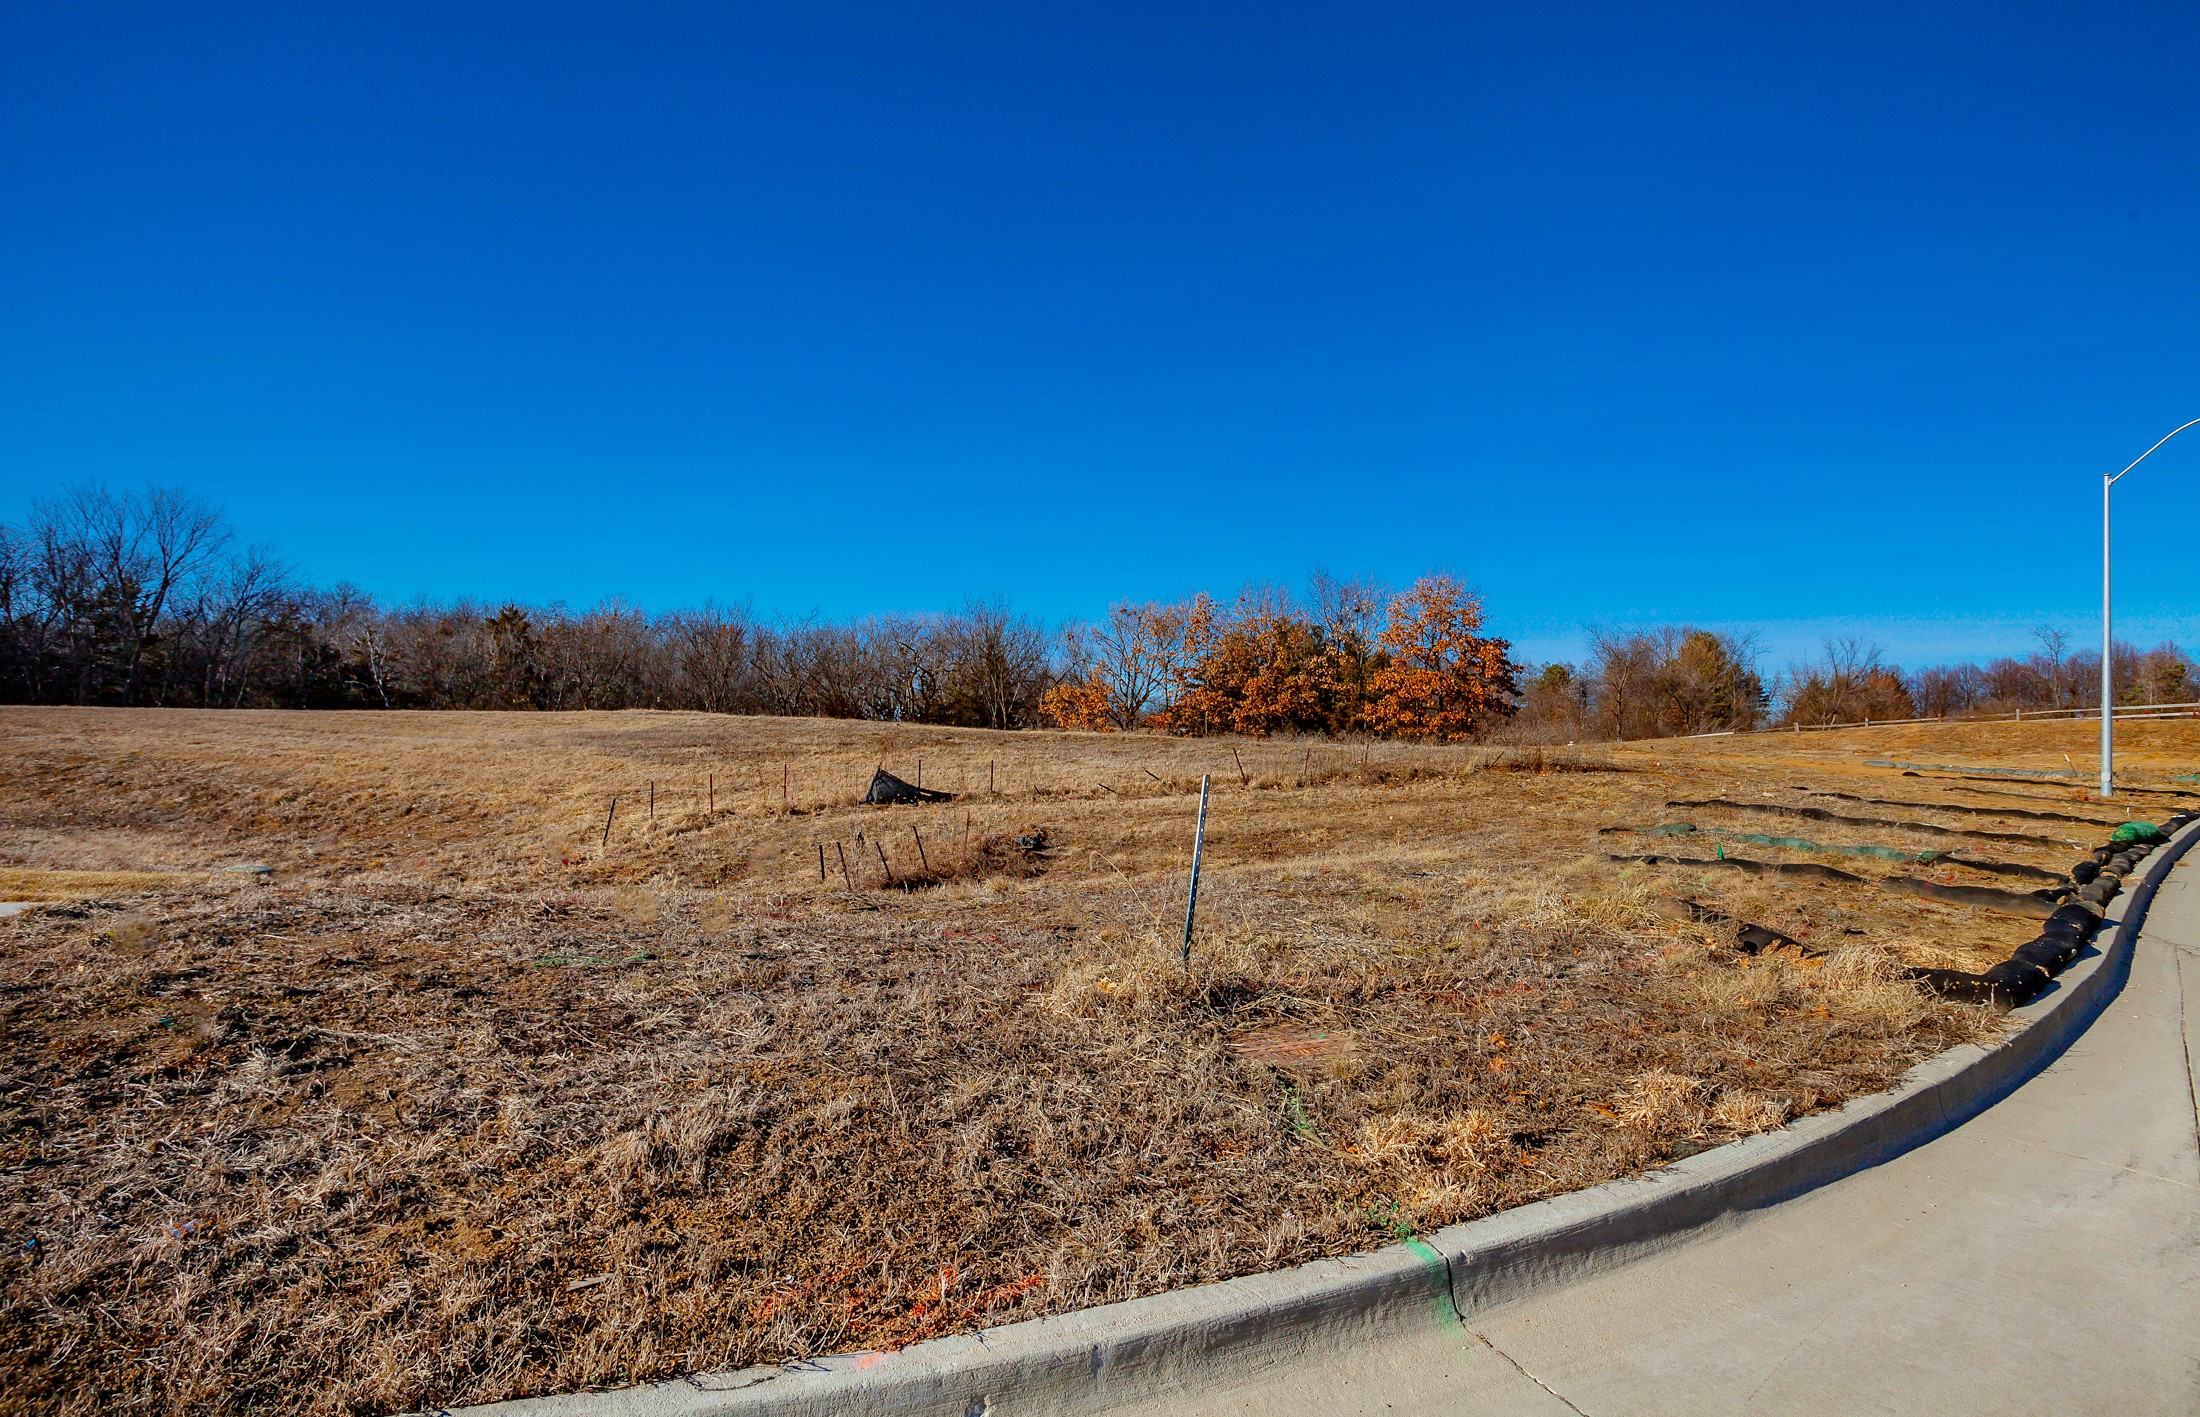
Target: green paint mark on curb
1439,1273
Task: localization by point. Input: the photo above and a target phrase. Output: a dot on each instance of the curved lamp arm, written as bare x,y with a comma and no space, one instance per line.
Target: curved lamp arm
2158,443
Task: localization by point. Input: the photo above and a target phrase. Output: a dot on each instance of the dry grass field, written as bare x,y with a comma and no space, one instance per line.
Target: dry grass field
475,1099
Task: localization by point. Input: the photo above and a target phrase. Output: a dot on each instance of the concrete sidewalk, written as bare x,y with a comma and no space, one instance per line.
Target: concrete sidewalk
2042,1258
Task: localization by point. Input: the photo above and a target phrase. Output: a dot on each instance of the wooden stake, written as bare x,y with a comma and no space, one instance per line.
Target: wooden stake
605,844
821,863
1243,780
1191,900
846,879
786,780
989,777
920,851
653,801
920,773
1151,773
882,861
710,789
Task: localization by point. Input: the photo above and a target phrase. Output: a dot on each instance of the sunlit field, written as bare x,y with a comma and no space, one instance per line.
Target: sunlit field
493,1087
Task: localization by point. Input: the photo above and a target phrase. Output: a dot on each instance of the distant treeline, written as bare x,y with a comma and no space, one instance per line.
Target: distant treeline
1668,681
146,598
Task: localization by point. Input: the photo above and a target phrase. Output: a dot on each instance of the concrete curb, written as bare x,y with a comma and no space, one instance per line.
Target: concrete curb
1143,1349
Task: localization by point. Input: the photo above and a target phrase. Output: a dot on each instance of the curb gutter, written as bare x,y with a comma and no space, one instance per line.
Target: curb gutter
1101,1358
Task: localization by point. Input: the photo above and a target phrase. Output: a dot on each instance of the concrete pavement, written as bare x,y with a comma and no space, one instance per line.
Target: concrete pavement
2042,1258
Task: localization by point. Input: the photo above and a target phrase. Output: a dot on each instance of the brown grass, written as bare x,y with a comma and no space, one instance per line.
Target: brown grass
468,1105
85,885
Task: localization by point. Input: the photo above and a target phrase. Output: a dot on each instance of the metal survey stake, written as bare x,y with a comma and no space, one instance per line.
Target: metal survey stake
1191,901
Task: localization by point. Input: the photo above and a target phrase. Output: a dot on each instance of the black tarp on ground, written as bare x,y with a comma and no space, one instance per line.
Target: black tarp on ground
888,790
1748,939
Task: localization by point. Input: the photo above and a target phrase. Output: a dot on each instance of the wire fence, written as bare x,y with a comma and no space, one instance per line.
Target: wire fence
2121,713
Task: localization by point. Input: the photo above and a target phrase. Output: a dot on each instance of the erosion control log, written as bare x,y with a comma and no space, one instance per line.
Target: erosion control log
2036,906
1810,869
1957,984
2025,903
2008,868
2021,982
1820,814
1958,807
1960,767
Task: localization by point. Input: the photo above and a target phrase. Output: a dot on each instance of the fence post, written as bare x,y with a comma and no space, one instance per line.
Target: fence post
1191,900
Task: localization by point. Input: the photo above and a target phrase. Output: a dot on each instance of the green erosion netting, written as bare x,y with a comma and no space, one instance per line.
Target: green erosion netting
1797,843
2137,831
1792,843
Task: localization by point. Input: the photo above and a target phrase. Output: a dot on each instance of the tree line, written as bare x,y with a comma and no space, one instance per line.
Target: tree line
1676,680
148,598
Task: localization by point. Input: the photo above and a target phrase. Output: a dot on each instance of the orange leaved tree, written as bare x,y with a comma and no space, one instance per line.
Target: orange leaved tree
1263,667
1443,680
1078,703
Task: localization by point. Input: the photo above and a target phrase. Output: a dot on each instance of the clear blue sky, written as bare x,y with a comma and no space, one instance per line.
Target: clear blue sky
1774,316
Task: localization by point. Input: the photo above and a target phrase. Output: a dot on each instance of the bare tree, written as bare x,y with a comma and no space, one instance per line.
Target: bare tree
143,547
234,603
1623,673
2054,655
996,666
1848,683
712,651
1131,653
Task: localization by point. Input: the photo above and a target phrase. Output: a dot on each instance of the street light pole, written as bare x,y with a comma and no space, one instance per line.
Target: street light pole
2108,650
2108,644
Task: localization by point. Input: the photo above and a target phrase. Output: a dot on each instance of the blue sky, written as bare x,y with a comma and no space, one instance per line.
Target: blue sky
1778,317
